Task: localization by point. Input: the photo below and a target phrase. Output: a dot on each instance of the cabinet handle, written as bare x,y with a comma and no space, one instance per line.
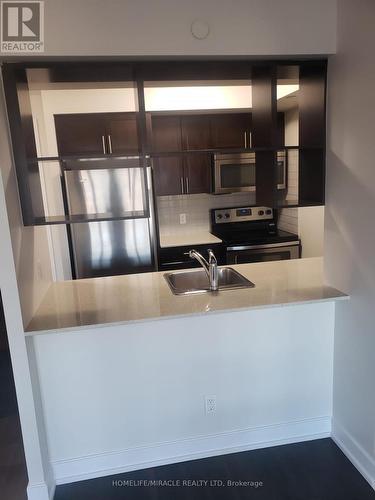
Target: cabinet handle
182,185
245,136
103,144
187,184
250,140
110,144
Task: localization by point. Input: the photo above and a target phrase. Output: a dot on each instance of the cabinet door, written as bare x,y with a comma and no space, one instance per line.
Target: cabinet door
166,133
197,174
230,130
80,134
195,132
168,176
122,133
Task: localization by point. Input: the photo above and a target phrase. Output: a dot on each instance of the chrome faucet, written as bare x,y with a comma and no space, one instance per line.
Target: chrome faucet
210,267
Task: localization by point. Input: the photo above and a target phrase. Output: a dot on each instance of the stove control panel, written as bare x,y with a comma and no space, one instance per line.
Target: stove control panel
242,214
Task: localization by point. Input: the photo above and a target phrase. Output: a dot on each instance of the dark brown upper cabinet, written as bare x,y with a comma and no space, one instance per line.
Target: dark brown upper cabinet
166,133
80,133
195,132
168,171
122,132
169,176
96,133
174,175
231,130
207,131
197,173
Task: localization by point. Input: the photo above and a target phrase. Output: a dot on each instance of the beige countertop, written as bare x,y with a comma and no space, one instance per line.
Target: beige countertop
181,239
140,297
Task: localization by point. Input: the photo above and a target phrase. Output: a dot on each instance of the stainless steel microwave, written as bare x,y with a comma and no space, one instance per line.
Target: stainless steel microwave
236,172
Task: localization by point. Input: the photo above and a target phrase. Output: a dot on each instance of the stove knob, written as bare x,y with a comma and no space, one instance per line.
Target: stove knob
261,212
227,215
268,212
219,216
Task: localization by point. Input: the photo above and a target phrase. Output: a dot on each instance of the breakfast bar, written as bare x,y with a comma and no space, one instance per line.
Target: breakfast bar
143,297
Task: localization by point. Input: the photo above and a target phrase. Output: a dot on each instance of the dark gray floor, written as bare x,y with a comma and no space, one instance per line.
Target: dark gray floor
13,476
315,470
8,400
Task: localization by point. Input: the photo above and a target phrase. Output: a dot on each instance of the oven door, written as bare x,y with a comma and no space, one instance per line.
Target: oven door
263,253
234,173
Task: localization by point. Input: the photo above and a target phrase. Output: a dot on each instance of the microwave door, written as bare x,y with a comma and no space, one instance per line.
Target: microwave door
234,176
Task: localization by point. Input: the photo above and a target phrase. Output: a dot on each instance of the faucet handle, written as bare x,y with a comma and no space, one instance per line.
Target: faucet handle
211,256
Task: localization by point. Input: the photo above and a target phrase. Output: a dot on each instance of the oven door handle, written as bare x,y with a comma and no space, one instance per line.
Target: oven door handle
269,245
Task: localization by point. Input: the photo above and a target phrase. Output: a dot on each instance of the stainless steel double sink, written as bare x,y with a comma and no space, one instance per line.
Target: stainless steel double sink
190,282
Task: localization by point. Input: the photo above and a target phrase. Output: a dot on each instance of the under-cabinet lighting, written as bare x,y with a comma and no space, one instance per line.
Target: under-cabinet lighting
204,97
197,97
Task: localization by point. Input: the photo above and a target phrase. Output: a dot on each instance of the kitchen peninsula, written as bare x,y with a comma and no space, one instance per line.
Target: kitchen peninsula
134,359
146,296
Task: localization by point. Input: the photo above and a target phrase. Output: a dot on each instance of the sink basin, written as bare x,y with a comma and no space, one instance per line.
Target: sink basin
188,282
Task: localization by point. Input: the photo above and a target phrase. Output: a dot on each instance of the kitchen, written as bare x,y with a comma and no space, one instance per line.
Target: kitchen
75,119
134,356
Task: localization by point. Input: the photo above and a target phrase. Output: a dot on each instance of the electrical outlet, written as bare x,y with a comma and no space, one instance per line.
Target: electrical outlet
182,218
210,403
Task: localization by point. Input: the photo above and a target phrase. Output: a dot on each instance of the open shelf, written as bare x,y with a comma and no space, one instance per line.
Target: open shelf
260,125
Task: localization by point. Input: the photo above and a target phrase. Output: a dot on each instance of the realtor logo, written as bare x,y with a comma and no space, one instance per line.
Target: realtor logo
22,26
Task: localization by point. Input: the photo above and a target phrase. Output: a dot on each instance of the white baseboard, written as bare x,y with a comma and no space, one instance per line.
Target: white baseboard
354,452
39,491
117,462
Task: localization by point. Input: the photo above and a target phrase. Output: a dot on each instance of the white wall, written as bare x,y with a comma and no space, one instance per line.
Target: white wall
119,398
162,27
350,235
311,231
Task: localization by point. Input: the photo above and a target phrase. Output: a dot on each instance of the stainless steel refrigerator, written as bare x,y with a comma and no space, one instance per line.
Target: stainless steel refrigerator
110,188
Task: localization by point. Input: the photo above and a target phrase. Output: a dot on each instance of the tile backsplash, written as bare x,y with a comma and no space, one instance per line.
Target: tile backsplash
293,160
288,217
196,207
288,220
